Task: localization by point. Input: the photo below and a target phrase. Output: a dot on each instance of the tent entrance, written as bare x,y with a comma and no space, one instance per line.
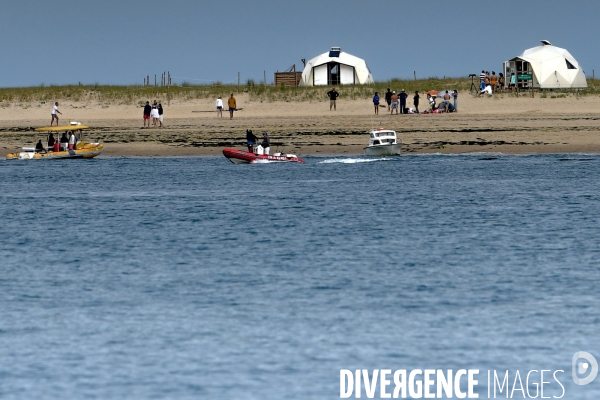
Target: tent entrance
333,73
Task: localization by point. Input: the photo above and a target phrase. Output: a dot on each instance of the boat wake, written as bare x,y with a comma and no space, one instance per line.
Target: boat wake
353,160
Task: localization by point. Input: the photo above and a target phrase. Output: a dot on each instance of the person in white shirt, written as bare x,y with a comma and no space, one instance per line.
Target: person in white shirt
219,107
54,116
155,116
71,141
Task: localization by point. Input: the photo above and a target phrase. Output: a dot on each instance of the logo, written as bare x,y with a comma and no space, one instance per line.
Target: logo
580,367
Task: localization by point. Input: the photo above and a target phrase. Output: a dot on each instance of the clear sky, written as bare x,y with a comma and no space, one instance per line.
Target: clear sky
201,41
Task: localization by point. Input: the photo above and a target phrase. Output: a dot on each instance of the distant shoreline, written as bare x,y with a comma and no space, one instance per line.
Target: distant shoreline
502,123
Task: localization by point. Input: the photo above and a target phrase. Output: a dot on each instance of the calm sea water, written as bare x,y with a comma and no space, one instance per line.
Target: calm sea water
187,278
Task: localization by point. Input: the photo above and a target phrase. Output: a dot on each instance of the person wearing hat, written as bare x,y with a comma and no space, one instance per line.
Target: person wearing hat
266,143
403,97
333,95
394,103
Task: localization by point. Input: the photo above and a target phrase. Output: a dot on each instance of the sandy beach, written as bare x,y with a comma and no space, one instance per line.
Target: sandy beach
501,123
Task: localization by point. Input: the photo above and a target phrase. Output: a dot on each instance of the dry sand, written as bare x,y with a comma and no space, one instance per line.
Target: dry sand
502,123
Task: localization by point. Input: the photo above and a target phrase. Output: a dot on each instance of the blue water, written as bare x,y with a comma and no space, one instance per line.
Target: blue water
187,278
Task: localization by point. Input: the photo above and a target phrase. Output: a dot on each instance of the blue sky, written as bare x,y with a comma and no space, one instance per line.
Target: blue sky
120,42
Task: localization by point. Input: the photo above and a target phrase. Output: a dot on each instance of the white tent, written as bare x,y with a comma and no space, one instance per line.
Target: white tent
334,68
553,67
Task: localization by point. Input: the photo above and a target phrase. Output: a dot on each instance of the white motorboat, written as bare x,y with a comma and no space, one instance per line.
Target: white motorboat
383,142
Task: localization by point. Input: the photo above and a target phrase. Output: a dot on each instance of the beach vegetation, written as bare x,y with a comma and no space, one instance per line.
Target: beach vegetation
139,94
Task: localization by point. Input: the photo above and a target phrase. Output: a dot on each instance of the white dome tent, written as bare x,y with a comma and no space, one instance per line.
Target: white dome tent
336,68
552,67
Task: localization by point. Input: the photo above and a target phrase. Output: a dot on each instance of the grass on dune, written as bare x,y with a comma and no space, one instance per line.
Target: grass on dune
138,94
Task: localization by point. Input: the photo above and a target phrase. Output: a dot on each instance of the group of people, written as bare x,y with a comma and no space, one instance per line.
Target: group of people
397,102
64,143
231,103
251,140
154,112
490,84
445,105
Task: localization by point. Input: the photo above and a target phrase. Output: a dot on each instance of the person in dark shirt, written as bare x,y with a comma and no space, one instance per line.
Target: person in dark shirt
416,101
266,143
333,95
64,141
39,147
147,111
160,115
376,103
403,96
388,98
251,139
51,141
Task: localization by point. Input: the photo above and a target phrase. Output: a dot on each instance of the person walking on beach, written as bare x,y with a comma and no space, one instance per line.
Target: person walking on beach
403,96
513,81
416,101
160,114
147,111
232,105
333,95
376,103
501,82
219,107
54,116
388,98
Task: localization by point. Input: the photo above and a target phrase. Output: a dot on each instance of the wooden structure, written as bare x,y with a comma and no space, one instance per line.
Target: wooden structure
289,77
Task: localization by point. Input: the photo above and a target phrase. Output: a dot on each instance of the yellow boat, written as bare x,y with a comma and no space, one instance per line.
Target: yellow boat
80,150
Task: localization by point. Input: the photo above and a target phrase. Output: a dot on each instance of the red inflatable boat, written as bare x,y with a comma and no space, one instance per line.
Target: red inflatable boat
245,157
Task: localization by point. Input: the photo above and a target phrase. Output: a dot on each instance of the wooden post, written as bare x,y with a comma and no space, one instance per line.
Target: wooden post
265,77
169,90
415,73
238,81
532,94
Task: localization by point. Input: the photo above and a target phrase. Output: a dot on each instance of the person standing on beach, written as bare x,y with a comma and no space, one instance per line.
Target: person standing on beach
376,103
403,96
455,96
219,107
446,101
394,103
482,80
54,116
388,98
160,114
513,81
333,95
232,105
155,115
147,111
494,81
416,101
